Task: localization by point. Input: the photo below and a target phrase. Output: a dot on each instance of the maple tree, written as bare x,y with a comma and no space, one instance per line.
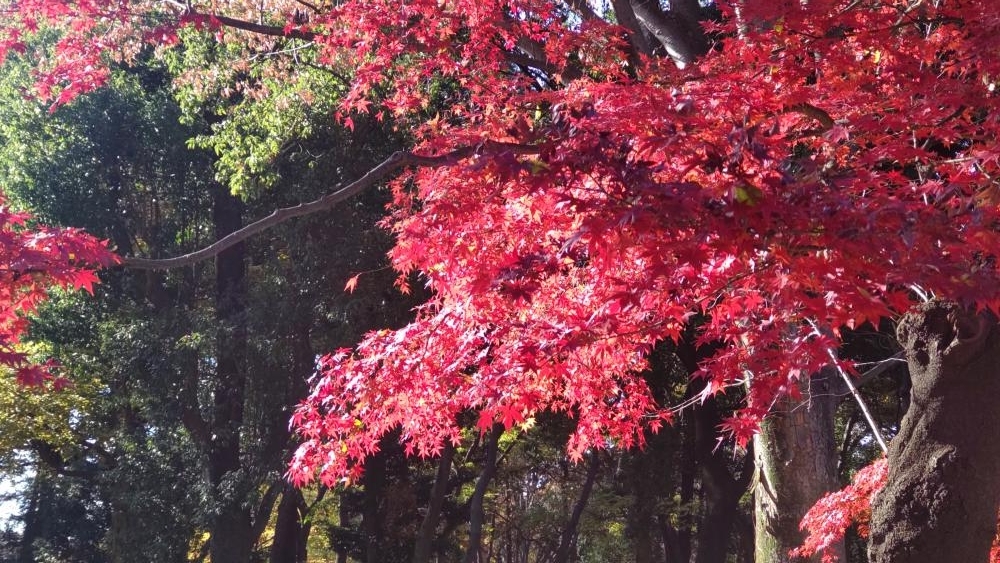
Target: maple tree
779,173
35,261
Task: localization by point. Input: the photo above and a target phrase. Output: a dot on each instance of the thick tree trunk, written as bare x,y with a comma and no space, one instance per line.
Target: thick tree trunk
796,464
941,500
289,545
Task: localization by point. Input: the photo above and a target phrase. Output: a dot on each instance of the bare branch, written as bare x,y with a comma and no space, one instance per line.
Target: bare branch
880,368
271,30
872,423
396,161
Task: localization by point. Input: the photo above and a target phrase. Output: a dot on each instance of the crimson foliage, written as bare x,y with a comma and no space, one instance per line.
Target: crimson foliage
35,260
821,165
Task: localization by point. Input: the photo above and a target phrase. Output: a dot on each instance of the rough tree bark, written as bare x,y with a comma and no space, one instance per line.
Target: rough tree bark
941,500
796,461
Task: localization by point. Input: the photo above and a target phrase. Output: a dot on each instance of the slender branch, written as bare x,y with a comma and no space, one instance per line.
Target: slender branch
189,13
861,403
476,516
396,161
569,533
857,395
309,5
882,367
262,515
426,535
809,110
846,442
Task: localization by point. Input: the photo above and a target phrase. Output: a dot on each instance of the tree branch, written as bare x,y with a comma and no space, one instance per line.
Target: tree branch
627,18
683,40
583,8
882,367
526,61
271,30
819,114
396,161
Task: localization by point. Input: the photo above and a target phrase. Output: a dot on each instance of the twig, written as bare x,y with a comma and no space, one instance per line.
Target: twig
857,396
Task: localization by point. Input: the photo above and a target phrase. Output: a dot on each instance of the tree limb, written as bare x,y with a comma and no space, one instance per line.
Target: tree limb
526,61
825,120
271,30
396,161
627,18
882,367
568,536
684,41
583,8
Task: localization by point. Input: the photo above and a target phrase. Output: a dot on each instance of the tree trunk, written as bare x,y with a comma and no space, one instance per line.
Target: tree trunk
796,461
345,521
722,490
477,502
32,526
231,539
428,527
568,539
291,533
373,513
289,545
641,515
941,500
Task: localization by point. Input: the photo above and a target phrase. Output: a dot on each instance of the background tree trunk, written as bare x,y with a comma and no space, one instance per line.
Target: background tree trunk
428,527
289,545
231,538
941,500
568,538
477,515
796,460
722,490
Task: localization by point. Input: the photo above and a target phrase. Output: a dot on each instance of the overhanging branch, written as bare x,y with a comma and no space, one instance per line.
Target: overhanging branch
271,30
396,161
